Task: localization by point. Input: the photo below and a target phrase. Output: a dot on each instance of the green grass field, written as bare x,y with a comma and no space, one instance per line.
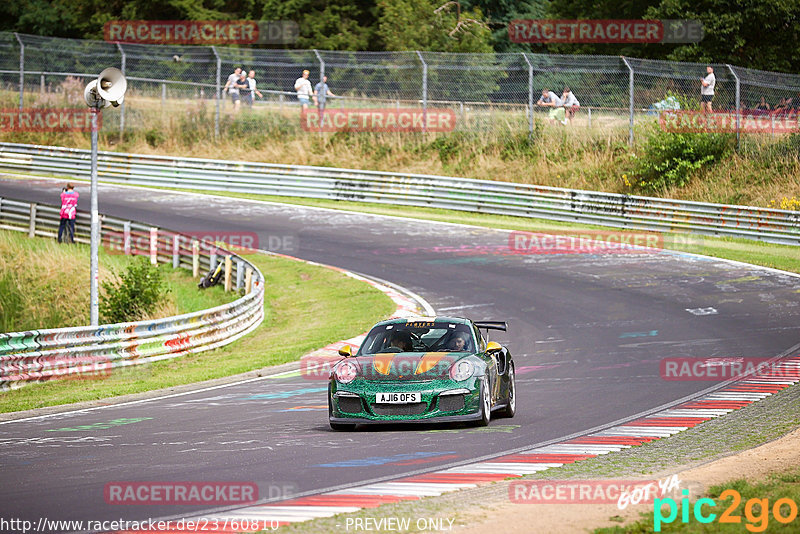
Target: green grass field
306,307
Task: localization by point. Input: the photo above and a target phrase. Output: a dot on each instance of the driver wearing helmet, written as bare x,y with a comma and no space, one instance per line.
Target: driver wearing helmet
458,343
401,339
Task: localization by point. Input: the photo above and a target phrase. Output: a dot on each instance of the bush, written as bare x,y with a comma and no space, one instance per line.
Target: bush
133,294
669,158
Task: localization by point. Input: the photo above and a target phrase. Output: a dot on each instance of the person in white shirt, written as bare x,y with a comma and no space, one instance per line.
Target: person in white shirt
707,90
550,99
232,89
303,88
571,104
251,81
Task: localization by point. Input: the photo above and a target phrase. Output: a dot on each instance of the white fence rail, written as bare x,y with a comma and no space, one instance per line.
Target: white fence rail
480,196
90,351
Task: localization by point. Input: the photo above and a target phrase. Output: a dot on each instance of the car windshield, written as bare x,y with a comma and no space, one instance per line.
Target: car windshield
419,336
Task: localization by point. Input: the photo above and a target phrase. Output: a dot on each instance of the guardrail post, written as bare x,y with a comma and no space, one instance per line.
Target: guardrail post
122,105
32,222
217,94
239,274
154,246
176,251
195,258
530,93
126,237
630,99
21,69
424,92
590,117
228,277
248,281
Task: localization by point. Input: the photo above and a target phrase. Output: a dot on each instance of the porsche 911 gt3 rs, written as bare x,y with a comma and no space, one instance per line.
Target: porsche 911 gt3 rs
427,369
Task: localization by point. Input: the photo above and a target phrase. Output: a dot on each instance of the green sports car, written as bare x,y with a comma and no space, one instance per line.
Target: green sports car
427,369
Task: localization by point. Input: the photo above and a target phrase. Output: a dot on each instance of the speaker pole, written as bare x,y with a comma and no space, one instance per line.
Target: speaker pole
95,235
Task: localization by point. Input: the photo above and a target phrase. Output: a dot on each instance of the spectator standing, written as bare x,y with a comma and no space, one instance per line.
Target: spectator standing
303,88
232,87
321,92
251,81
707,90
244,89
69,210
571,104
762,106
550,100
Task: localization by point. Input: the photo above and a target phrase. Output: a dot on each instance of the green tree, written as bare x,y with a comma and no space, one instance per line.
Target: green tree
759,35
432,25
326,24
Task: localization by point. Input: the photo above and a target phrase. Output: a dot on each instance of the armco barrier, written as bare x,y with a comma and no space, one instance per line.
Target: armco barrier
480,196
88,351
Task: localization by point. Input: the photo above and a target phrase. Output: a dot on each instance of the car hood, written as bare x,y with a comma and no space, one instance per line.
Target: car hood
407,365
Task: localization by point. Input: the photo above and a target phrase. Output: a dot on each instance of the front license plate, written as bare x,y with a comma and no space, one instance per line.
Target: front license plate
397,398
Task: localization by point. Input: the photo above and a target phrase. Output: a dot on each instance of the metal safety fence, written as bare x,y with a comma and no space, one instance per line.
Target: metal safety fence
90,351
478,196
494,90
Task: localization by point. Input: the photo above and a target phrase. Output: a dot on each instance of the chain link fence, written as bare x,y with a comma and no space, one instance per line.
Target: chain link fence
185,85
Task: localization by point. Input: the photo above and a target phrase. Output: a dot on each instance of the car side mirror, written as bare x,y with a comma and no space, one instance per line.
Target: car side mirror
346,351
492,347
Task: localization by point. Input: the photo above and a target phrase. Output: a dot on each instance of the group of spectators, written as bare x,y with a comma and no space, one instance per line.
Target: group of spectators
563,108
241,86
786,106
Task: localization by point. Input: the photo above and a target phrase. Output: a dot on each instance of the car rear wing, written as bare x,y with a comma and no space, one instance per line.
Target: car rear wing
492,325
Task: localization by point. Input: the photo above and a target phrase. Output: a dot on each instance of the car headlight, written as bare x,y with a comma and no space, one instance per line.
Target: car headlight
461,370
346,372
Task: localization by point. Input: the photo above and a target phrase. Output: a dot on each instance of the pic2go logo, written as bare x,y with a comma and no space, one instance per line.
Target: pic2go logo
756,511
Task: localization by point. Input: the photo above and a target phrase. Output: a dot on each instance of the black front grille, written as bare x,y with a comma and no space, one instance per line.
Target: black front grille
415,408
350,404
451,403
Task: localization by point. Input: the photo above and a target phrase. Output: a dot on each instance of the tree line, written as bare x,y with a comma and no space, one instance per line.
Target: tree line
760,35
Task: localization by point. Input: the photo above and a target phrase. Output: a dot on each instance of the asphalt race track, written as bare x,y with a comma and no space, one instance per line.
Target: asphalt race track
587,332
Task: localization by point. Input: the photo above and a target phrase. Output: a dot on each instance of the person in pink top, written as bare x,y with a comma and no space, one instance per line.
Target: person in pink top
69,208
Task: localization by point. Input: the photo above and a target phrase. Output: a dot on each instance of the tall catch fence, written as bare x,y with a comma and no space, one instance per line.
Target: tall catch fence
494,90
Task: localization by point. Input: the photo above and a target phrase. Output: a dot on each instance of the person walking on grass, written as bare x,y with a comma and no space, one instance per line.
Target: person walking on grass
69,209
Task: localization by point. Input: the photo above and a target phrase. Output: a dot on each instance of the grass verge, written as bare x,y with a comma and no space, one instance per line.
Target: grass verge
46,285
303,311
